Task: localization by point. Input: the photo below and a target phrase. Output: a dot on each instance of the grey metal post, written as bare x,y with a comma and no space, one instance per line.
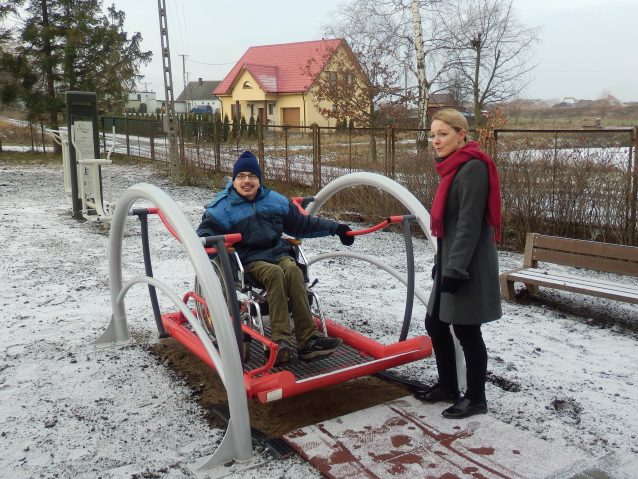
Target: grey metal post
168,90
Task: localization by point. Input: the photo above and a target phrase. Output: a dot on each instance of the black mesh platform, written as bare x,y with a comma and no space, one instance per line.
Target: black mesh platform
343,358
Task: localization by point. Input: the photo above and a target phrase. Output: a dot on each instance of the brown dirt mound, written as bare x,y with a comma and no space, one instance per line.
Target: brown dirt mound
282,416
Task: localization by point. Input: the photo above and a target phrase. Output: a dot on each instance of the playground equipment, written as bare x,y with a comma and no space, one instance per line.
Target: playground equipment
82,164
217,303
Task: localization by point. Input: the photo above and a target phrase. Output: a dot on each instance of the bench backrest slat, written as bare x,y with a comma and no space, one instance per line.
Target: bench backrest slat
586,262
629,253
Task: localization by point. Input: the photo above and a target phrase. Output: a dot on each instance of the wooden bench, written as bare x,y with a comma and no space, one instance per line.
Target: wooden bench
590,255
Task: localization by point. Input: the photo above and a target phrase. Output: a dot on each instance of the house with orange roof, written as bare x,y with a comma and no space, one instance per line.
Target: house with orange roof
275,82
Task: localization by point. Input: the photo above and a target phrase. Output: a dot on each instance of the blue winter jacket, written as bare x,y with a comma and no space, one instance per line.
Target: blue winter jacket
261,223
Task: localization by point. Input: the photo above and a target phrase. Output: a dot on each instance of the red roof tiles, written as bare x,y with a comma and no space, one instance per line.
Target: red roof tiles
279,68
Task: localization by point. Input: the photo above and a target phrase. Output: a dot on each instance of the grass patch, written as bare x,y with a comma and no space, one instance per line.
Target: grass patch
29,158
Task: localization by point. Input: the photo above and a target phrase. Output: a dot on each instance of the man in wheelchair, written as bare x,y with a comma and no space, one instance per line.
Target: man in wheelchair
261,215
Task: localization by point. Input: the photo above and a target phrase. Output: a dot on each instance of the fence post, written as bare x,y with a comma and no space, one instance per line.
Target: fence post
151,138
44,150
197,133
216,145
31,133
182,145
318,159
350,150
260,146
314,156
286,164
128,145
634,190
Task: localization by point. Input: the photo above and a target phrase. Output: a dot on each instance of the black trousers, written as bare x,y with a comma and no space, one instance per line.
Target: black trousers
474,351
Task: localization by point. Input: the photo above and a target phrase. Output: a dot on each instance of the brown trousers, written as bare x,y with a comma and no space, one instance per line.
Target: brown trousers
286,292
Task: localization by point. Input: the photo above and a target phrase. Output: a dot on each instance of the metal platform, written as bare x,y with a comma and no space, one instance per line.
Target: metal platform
344,357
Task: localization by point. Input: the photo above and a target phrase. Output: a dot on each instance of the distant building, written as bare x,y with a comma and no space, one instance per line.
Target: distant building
199,93
268,82
141,102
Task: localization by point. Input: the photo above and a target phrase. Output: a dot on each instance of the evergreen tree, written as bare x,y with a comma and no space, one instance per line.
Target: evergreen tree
235,130
252,131
351,123
71,45
225,128
243,129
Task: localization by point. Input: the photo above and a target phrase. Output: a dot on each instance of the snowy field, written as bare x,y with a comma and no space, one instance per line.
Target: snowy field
68,411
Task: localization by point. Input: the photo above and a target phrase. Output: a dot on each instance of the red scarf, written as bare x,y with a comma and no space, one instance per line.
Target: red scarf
447,169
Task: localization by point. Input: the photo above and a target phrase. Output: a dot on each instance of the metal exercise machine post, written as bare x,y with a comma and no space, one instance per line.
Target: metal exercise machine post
80,104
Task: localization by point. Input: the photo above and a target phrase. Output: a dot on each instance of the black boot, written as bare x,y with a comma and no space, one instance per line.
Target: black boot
437,393
465,408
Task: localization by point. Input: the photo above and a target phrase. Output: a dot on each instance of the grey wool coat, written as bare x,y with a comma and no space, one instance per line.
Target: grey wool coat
467,252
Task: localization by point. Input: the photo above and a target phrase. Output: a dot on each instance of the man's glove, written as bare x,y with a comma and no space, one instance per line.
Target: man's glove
434,271
450,285
345,239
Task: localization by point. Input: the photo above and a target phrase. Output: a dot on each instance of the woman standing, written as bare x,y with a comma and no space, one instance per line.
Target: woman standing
466,219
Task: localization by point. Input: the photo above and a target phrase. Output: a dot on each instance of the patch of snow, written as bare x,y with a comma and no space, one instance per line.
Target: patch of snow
76,412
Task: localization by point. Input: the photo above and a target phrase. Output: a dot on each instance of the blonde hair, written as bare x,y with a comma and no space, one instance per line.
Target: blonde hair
454,119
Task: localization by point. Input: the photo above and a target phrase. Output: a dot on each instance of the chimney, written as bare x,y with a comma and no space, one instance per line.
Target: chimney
200,82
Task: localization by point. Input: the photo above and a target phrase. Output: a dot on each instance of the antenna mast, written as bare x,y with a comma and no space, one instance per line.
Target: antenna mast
168,90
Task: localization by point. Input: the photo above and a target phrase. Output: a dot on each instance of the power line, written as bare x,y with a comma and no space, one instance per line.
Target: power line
184,23
586,71
179,26
172,35
213,64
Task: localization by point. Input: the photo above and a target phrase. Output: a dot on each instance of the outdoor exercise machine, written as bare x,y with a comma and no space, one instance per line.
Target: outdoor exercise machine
360,356
81,160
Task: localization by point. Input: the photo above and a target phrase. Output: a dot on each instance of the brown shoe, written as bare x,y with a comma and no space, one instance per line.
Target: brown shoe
284,352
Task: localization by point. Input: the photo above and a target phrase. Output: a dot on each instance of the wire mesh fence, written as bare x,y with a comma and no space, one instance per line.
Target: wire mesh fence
24,136
574,183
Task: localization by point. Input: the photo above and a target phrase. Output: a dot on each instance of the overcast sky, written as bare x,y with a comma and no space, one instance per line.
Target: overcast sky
588,46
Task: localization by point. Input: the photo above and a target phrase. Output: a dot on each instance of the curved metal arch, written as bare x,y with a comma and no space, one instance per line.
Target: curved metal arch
372,260
408,200
386,184
185,310
237,442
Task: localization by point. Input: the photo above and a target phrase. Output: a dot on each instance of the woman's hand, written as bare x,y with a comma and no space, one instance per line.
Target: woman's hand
450,285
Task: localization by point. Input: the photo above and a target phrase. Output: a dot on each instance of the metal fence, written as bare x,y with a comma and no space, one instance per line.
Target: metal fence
574,183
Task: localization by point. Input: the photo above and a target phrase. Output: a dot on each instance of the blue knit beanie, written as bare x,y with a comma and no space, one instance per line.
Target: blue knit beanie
247,162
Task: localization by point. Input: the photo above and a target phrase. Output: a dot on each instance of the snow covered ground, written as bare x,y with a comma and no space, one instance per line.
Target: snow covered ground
69,411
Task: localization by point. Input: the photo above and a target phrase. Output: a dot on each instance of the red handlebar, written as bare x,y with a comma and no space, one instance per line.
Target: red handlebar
390,220
230,239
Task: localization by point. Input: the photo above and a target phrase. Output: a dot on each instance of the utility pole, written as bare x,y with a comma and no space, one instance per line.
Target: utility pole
170,101
184,57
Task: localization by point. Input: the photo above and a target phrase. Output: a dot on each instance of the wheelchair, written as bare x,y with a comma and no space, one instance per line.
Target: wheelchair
253,298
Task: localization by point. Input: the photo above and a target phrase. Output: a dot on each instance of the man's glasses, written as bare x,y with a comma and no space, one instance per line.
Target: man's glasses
241,177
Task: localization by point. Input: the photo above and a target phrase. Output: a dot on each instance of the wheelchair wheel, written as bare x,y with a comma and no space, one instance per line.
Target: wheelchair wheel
204,317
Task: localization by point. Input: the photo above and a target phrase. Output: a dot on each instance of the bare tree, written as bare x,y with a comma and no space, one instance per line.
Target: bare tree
340,87
493,51
388,36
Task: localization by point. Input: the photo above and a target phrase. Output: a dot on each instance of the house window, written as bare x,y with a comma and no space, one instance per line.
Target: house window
334,107
331,79
247,84
271,109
